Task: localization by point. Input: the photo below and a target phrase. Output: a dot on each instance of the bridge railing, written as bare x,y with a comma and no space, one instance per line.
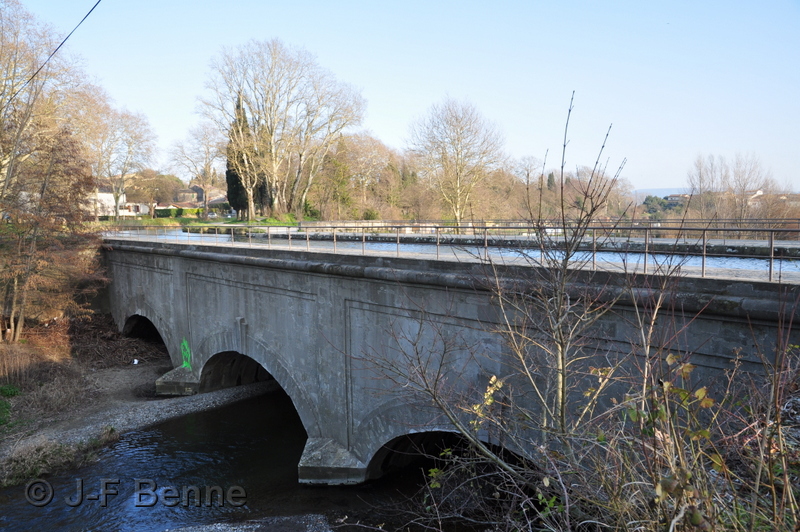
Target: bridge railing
470,225
766,247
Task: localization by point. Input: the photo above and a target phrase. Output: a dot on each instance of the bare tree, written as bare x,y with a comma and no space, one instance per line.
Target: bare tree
46,110
654,454
367,158
707,180
458,149
282,113
731,189
530,173
24,46
122,144
748,180
199,157
44,252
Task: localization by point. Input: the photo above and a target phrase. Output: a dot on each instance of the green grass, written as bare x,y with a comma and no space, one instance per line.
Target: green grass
287,219
166,222
9,390
5,412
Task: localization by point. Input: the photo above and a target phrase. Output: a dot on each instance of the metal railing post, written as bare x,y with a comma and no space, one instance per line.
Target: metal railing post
771,254
770,235
703,266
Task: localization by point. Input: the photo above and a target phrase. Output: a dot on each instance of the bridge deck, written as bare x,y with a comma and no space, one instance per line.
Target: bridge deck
664,255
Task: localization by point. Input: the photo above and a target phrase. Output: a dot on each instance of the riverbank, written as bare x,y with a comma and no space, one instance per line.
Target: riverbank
118,396
122,401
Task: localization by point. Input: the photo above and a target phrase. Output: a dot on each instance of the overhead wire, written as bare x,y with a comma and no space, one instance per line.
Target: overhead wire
54,52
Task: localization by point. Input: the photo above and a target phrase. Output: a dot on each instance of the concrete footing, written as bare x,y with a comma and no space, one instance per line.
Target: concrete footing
179,381
324,461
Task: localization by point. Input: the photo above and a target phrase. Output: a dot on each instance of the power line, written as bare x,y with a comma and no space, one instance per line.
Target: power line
54,52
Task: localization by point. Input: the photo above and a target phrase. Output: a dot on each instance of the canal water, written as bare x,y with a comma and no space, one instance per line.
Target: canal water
604,259
254,445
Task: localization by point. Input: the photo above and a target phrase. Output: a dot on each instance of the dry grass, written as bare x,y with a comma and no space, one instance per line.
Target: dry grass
53,368
53,372
48,384
51,457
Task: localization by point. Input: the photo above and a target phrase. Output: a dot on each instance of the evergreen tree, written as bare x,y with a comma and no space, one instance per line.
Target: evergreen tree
237,195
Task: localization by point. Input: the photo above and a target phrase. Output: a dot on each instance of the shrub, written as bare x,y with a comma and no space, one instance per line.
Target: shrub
177,213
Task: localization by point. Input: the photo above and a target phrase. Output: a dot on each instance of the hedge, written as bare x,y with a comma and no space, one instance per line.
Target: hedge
176,213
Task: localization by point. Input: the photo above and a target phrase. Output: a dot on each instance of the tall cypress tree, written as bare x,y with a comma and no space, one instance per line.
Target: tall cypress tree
236,194
237,197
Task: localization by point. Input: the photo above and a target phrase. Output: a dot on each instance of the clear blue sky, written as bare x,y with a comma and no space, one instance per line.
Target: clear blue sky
676,79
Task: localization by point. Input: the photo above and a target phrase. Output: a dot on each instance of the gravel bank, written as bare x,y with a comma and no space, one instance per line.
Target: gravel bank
120,403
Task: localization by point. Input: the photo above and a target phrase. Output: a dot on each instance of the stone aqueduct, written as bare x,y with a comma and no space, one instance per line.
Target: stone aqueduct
321,325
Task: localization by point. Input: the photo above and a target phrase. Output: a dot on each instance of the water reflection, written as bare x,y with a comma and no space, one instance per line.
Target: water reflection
255,444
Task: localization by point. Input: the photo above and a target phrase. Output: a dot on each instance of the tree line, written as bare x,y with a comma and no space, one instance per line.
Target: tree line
287,135
280,132
60,137
286,131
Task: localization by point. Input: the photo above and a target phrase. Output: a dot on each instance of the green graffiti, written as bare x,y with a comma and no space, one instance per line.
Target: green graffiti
186,354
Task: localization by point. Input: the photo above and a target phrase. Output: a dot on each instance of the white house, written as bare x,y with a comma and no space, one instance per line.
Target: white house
102,204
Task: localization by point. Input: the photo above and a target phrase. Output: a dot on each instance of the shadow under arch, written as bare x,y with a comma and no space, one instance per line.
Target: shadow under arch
416,448
230,368
140,320
232,340
138,326
431,448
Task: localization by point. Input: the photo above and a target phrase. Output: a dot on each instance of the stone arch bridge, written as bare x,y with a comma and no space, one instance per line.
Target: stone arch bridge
321,324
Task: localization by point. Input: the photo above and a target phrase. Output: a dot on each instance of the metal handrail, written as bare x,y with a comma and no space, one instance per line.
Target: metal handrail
685,240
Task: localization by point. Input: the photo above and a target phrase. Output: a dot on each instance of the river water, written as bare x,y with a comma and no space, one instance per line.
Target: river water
254,445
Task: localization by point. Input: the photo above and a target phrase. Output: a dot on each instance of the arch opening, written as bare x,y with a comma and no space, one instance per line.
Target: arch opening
413,451
138,326
446,468
427,450
230,368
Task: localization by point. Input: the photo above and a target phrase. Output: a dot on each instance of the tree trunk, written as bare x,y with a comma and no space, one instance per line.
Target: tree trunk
21,319
251,205
13,314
